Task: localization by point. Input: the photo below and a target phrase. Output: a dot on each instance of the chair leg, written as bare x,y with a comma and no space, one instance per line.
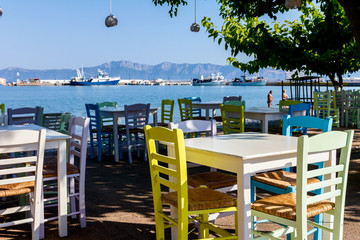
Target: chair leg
72,199
204,231
82,213
36,210
129,149
99,148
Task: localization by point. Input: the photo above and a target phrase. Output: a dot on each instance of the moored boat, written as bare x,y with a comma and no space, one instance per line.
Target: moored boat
249,81
210,81
101,79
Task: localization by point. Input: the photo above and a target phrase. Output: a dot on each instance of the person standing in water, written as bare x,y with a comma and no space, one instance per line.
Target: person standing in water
285,97
269,99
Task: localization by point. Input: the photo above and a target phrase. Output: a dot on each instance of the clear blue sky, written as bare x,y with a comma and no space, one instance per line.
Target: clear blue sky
45,34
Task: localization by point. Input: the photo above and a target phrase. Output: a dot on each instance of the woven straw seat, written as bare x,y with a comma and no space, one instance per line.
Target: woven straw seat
50,170
201,199
280,179
212,180
284,206
16,189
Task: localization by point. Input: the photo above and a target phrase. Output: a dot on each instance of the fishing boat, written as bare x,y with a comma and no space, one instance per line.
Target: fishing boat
210,81
101,79
249,81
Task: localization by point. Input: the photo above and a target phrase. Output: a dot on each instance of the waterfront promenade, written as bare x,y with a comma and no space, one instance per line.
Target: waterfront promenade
119,203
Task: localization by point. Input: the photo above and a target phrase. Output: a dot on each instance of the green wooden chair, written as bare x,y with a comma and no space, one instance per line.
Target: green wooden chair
106,121
65,123
52,121
285,104
232,118
325,106
293,210
195,202
186,110
167,111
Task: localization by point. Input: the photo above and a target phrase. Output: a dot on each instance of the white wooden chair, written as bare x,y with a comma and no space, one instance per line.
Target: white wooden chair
136,117
26,172
293,210
79,131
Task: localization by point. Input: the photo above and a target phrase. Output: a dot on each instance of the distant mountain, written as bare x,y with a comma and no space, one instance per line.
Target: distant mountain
131,70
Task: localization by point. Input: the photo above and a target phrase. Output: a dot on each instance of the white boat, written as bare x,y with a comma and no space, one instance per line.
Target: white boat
249,81
101,79
210,81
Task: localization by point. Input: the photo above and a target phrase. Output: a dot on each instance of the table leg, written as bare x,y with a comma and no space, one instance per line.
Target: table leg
265,124
244,203
207,114
62,189
155,119
116,138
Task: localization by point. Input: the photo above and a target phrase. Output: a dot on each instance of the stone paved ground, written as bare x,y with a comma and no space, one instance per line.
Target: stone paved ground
119,204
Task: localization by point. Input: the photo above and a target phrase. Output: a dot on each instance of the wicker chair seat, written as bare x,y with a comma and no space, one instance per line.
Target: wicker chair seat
15,189
50,170
284,206
201,199
281,179
212,180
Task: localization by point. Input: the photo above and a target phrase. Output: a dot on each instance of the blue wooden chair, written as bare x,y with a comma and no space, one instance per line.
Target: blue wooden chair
99,136
284,181
25,115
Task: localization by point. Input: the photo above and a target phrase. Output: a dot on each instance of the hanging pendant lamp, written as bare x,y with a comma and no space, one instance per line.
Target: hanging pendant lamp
195,27
111,20
292,4
1,12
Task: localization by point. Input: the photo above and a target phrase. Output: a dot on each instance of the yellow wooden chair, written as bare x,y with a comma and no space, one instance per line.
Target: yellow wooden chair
167,110
232,118
186,110
197,202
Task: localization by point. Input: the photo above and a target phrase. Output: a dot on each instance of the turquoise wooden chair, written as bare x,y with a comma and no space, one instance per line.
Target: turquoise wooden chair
65,123
284,181
293,210
52,121
299,109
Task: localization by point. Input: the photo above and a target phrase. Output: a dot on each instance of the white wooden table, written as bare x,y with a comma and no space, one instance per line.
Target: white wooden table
207,106
246,154
117,113
54,140
264,114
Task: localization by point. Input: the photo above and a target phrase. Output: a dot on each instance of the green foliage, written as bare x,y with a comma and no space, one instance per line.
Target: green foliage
174,4
319,42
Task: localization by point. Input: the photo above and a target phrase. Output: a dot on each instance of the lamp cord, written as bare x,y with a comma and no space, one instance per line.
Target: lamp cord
195,11
110,7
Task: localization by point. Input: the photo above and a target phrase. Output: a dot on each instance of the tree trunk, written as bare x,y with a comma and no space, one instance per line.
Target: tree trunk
352,10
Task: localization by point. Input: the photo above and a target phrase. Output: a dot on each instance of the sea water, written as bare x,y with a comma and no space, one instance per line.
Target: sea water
73,98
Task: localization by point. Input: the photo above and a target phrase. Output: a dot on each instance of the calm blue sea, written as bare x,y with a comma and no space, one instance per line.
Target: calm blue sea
72,99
